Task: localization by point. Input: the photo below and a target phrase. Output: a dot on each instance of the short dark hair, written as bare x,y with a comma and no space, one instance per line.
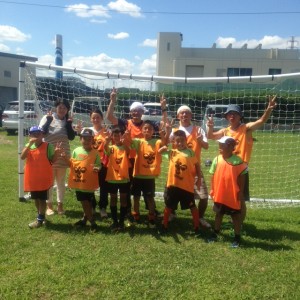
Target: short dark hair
179,133
149,122
62,101
96,111
117,130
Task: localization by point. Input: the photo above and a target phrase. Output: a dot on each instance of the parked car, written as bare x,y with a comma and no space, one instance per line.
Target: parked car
32,115
217,112
152,111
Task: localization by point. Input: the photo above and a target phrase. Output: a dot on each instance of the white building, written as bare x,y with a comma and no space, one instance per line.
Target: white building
175,61
9,76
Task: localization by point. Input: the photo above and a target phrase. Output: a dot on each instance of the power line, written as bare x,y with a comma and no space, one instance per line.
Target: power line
158,12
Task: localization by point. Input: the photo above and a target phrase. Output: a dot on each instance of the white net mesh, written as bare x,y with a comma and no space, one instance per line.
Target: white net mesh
275,159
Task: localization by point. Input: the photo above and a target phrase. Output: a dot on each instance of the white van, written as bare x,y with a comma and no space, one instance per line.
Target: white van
81,108
217,112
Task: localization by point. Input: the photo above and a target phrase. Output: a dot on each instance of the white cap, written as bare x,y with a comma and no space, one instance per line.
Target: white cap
226,140
137,105
183,107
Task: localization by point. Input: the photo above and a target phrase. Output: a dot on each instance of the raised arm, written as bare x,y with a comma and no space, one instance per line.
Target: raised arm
201,138
110,110
210,129
264,118
164,110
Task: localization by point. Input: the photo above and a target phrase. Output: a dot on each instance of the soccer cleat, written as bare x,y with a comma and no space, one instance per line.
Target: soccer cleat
114,227
235,244
204,223
35,224
213,238
197,233
94,227
151,224
80,223
103,213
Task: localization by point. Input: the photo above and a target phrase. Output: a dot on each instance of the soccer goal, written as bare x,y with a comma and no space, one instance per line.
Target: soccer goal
275,162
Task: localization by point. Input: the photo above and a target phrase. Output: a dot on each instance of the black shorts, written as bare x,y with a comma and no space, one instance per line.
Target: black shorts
174,195
85,196
40,195
113,188
225,210
142,185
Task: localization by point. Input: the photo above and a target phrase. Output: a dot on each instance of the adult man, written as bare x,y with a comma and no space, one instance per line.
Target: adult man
133,125
196,140
242,133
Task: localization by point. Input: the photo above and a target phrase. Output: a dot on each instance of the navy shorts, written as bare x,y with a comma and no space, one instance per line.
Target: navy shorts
175,195
85,196
113,188
40,195
142,185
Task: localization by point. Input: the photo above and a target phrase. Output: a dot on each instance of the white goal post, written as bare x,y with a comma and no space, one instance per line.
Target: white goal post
276,155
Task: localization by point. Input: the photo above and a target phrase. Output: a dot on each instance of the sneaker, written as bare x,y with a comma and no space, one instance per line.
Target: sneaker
151,224
35,224
94,227
49,212
121,227
114,227
172,217
235,244
80,223
213,238
136,217
103,213
204,223
163,230
197,233
60,209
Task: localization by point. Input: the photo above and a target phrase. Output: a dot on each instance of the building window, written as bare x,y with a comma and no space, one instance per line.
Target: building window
194,71
231,72
7,74
274,71
168,46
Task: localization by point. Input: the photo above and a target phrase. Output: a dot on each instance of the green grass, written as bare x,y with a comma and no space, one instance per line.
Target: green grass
59,262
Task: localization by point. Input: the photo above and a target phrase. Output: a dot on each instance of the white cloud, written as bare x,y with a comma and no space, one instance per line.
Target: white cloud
149,43
4,48
98,21
101,62
86,11
267,42
9,33
148,66
126,8
118,36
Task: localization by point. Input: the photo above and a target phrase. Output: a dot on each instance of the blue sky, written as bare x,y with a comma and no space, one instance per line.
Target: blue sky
120,36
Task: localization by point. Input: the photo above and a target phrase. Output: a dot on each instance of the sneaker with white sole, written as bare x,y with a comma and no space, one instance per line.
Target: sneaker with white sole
204,223
35,224
103,213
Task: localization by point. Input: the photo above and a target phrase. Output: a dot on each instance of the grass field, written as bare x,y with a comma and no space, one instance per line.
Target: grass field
59,262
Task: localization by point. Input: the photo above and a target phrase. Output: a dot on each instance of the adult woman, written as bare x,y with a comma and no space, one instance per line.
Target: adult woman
57,127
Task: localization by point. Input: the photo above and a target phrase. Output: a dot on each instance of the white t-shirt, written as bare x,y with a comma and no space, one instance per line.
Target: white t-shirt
188,131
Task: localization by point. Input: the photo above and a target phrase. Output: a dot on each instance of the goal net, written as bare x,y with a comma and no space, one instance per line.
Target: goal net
275,161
